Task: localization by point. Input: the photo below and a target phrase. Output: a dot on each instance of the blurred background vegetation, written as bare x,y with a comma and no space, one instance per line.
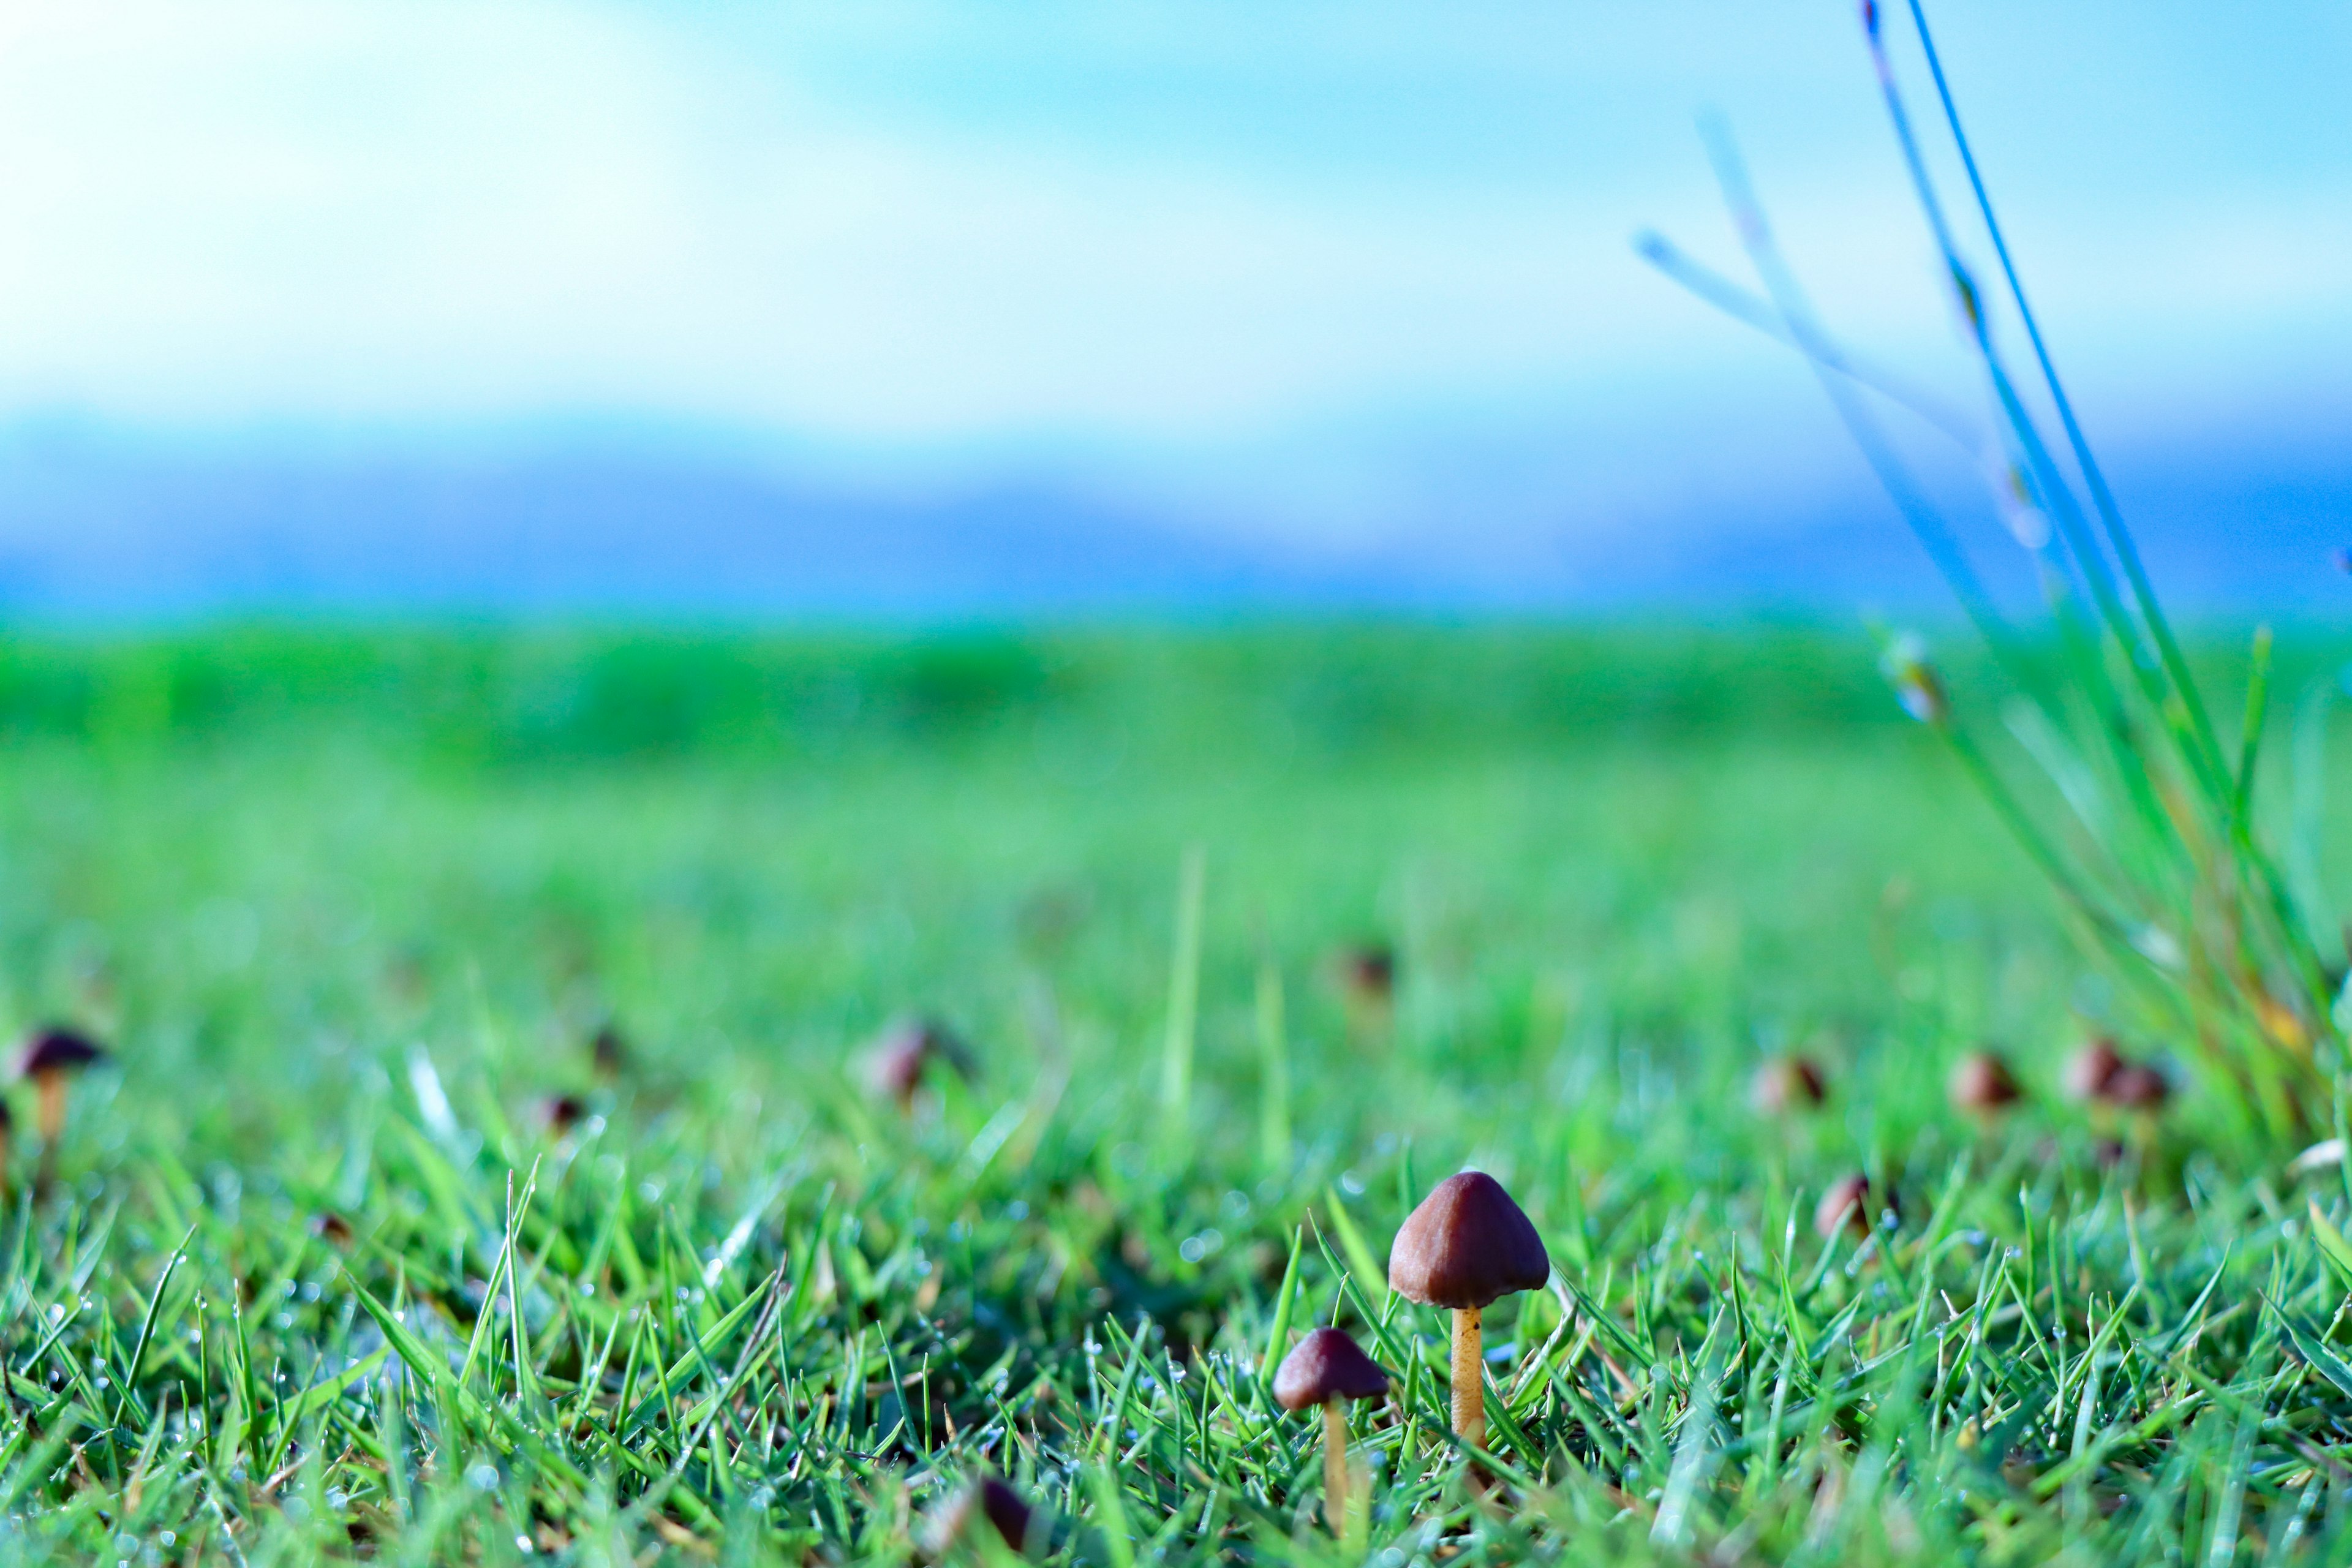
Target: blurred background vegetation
267,860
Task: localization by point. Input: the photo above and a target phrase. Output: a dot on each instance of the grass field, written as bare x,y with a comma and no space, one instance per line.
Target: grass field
349,905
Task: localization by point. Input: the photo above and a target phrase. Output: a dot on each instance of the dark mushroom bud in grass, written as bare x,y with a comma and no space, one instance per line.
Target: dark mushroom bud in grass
1845,1206
1327,1368
2135,1086
557,1114
1982,1085
904,1055
990,1497
332,1227
609,1052
1467,1244
1788,1083
1368,972
2088,1070
50,1057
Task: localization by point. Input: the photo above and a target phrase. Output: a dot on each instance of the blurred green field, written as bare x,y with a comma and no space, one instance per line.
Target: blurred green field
347,903
261,860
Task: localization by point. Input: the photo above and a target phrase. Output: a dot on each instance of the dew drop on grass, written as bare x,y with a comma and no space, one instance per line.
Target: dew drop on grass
482,1476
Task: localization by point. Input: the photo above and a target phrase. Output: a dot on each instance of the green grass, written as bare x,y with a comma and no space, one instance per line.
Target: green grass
302,878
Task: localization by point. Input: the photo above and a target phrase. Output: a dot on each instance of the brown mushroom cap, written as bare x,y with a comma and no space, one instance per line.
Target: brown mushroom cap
57,1050
2135,1086
1785,1084
1327,1365
1368,970
2089,1068
1981,1081
1845,1206
1465,1244
905,1053
993,1499
609,1050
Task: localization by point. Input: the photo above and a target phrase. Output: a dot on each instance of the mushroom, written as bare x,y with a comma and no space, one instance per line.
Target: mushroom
50,1057
1785,1084
2135,1086
1368,972
990,1498
1327,1368
558,1114
2104,1075
609,1052
1467,1243
1846,1206
903,1057
1982,1085
2089,1068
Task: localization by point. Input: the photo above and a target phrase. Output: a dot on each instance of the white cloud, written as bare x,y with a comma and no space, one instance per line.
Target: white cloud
443,210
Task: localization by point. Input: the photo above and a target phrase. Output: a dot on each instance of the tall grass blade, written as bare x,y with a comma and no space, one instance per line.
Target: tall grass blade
1183,996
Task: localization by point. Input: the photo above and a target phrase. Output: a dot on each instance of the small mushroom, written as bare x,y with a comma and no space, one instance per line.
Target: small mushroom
1327,1368
557,1114
1368,972
610,1053
50,1059
1788,1083
2135,1086
1845,1206
1467,1244
903,1057
1982,1085
990,1498
2089,1070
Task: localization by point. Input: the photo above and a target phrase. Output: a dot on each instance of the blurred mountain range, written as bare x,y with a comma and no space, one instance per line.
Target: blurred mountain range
109,530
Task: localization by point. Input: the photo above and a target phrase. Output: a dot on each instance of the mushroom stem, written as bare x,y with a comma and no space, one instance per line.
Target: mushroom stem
1469,1385
51,1084
1335,1466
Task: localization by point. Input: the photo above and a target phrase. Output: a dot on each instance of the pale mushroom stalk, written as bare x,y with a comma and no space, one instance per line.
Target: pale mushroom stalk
1335,1465
1469,1382
50,1084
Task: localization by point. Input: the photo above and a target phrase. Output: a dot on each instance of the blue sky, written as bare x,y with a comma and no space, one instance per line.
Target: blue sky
1350,281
